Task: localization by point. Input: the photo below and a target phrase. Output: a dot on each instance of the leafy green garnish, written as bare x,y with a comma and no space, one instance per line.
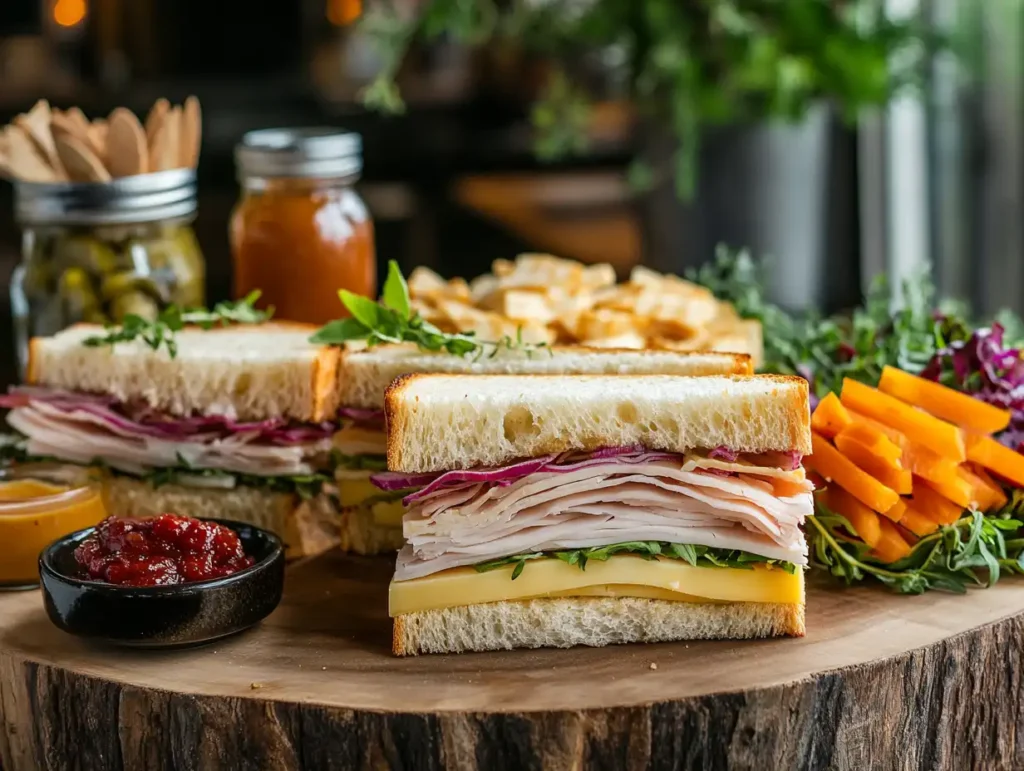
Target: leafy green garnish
827,349
973,551
160,331
306,486
358,462
392,320
698,556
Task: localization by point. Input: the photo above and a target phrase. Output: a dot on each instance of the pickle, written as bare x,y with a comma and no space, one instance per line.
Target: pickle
85,252
100,275
127,281
76,293
137,303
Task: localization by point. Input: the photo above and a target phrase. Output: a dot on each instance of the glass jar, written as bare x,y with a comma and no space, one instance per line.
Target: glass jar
97,252
40,503
300,232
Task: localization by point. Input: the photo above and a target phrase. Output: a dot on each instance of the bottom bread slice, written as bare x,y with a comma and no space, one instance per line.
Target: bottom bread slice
595,621
307,527
362,534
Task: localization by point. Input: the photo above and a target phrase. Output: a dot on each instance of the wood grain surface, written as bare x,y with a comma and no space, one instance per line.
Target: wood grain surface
880,681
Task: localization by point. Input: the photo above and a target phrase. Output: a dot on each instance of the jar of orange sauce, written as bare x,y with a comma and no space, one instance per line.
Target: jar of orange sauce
300,231
40,503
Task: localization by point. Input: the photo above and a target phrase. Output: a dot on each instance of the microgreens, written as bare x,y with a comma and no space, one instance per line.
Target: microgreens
172,319
974,551
698,556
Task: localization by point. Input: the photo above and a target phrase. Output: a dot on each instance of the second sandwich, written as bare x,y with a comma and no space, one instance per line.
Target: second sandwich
559,511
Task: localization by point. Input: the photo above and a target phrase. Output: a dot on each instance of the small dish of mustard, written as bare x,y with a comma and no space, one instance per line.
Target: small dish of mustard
39,504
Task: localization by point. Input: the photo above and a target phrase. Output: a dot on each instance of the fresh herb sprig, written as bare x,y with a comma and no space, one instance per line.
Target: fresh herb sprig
393,320
974,551
172,319
698,556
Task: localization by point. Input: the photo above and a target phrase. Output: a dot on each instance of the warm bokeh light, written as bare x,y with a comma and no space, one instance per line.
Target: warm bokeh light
69,13
342,12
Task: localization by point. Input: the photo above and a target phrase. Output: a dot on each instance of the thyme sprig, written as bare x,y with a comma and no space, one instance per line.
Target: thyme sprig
393,320
172,319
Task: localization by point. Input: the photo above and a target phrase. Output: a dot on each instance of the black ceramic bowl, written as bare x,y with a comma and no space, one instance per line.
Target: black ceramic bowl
163,616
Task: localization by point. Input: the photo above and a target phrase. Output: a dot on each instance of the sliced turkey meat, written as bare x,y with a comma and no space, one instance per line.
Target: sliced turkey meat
693,500
79,436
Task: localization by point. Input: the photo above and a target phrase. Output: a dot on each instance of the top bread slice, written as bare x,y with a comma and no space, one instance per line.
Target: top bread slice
249,372
365,375
443,422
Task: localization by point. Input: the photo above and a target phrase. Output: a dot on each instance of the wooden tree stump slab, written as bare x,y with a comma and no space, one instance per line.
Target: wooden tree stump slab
880,681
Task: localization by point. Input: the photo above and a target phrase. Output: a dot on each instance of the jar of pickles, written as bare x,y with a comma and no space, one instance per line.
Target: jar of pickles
300,231
96,252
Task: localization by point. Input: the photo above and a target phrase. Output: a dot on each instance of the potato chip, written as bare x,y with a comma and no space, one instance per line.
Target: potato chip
552,300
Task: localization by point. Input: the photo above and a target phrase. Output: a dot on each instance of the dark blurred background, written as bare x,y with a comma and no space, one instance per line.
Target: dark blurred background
453,182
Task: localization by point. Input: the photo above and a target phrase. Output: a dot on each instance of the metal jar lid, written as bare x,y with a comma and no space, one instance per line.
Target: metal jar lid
163,195
309,153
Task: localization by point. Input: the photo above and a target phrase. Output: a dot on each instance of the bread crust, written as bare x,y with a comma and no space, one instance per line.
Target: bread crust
260,371
492,626
794,402
365,373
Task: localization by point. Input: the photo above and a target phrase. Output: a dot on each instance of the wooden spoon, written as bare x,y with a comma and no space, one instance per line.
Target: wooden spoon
165,147
80,161
36,123
191,133
155,118
97,132
127,153
63,123
24,160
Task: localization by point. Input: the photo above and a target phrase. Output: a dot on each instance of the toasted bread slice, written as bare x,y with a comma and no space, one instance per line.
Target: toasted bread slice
251,372
307,527
444,422
593,621
365,374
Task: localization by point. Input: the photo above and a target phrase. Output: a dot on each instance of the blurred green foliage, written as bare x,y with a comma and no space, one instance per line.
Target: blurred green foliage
689,64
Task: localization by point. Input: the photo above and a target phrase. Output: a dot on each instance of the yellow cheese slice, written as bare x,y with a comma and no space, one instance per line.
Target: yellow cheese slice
352,440
620,576
388,513
352,492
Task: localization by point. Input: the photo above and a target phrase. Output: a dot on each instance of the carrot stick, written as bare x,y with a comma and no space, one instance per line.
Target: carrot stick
943,402
837,468
926,464
944,438
863,519
890,474
891,547
955,489
917,523
1000,460
896,511
931,504
830,416
874,440
859,417
998,496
